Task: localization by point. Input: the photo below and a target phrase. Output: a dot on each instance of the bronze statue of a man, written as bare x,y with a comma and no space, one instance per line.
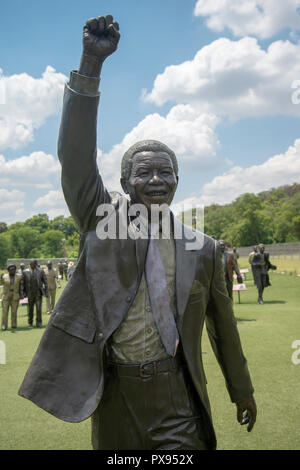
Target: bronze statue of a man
260,265
123,344
13,291
229,265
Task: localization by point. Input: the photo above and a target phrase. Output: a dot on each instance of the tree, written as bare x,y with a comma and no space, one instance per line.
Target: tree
25,242
39,222
52,246
247,209
296,226
3,227
65,225
5,249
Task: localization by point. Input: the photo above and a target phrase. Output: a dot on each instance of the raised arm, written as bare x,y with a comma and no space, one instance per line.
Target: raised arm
77,144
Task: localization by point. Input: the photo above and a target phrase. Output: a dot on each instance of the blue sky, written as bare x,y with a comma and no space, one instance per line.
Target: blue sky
212,80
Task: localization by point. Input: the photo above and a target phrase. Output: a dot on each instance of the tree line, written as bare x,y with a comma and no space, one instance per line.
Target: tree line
39,237
268,217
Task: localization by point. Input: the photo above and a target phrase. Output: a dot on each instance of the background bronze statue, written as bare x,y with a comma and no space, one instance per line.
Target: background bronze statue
123,344
35,286
260,265
52,277
13,291
230,265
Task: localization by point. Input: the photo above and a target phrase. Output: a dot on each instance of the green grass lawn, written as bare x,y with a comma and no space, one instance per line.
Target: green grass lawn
267,332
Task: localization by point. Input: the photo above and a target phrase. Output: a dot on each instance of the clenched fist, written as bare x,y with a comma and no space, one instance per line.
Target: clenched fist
100,36
100,39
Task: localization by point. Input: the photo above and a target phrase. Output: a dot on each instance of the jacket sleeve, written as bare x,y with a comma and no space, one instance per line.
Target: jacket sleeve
77,151
21,287
45,282
224,336
235,267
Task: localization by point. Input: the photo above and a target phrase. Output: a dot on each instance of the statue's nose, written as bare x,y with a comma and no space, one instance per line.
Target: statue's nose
155,179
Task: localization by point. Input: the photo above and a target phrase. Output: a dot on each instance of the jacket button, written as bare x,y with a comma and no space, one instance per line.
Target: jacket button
100,335
128,299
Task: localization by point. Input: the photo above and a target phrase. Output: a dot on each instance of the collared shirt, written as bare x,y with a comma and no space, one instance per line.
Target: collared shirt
137,339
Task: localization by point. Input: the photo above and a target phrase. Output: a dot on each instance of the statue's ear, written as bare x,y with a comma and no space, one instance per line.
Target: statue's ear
124,184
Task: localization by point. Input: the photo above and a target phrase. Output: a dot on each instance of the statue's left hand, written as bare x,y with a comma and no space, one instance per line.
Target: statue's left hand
246,412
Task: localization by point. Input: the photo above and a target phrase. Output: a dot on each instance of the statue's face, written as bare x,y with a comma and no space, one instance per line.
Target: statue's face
12,270
152,179
49,265
32,264
261,248
222,246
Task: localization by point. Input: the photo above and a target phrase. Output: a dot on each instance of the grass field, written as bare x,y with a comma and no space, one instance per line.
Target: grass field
267,332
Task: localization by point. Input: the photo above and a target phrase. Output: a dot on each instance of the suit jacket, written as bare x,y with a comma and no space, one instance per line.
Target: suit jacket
41,280
67,374
17,286
269,265
51,276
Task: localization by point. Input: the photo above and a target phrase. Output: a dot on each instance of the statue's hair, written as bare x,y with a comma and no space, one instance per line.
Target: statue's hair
145,146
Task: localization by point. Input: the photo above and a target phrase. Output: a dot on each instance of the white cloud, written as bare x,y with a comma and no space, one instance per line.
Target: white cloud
52,203
26,102
278,170
189,133
51,199
186,204
11,205
234,78
261,18
33,170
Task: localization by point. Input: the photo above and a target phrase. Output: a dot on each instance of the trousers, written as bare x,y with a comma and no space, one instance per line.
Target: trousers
147,413
13,304
50,300
37,301
260,280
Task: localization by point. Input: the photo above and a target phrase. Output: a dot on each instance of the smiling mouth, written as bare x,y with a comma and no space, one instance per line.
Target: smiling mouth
156,194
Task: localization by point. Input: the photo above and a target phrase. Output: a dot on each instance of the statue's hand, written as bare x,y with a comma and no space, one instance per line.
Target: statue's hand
100,37
246,412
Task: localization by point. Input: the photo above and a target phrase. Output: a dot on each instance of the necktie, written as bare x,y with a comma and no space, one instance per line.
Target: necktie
160,300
